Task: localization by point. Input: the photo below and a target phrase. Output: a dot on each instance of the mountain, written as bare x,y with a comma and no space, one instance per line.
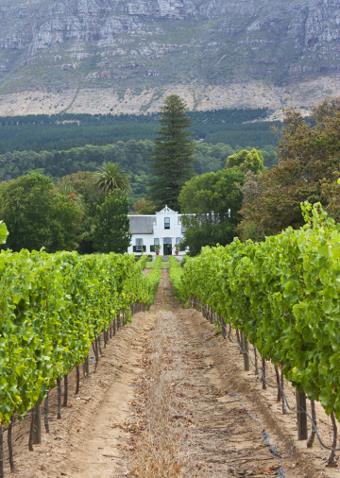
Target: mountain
121,56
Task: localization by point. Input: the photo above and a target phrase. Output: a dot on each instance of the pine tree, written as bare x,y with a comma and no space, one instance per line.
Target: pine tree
173,155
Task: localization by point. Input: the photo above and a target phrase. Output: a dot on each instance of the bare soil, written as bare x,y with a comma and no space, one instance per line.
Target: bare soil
169,399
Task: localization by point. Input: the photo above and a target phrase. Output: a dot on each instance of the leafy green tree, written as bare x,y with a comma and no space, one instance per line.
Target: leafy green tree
214,199
307,170
269,154
37,215
27,209
144,206
173,157
247,160
252,189
330,192
67,226
82,184
111,178
82,187
111,232
210,157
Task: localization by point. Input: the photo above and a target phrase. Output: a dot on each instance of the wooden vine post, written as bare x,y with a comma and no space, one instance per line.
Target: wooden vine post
224,328
46,412
301,415
35,429
263,377
36,432
245,352
65,401
256,362
77,380
332,460
58,399
313,434
10,444
278,381
283,397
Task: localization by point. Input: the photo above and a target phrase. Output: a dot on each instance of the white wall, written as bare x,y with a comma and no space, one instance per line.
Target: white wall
148,240
161,233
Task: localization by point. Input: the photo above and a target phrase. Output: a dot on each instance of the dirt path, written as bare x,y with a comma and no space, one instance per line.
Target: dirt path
169,399
198,414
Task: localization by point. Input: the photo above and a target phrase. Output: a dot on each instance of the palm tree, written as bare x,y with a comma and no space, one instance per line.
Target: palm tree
111,178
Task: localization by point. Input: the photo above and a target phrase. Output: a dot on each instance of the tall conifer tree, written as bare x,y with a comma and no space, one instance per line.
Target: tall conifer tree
173,155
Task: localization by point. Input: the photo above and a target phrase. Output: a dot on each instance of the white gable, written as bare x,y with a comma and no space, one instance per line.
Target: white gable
164,230
166,210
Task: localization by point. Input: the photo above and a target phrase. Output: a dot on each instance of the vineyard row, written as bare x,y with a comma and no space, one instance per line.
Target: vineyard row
53,309
282,296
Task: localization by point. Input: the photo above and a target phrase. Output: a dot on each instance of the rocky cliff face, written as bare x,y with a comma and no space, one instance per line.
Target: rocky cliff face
54,52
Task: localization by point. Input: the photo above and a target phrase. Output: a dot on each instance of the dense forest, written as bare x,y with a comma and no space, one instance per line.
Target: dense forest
65,144
133,157
239,128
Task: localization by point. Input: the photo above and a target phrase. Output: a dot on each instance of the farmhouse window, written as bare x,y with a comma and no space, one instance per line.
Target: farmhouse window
156,243
139,245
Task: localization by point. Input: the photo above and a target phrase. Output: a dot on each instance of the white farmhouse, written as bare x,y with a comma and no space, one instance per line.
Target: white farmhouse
161,232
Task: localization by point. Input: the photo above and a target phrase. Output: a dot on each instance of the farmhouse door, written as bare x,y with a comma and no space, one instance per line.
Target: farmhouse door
167,246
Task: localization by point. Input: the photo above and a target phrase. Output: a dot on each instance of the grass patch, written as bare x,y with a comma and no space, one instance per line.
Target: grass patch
164,265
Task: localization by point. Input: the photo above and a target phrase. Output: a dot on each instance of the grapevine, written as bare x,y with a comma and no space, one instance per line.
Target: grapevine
283,295
52,308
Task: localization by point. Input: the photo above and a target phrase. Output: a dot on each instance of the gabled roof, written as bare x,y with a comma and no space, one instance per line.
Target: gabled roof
166,210
140,224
